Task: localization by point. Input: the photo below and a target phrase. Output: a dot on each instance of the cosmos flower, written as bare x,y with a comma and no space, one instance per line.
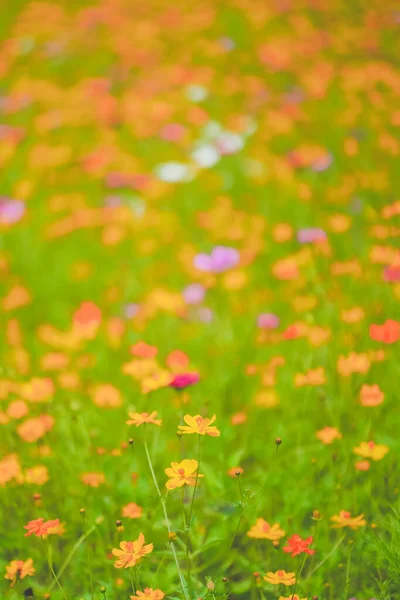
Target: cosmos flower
40,527
221,259
371,395
280,577
371,450
262,530
183,380
296,545
148,594
19,569
132,511
344,519
388,333
327,435
183,473
200,425
292,597
93,480
144,417
129,553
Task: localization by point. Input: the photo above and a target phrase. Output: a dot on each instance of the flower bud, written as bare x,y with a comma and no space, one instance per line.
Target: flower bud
210,585
172,536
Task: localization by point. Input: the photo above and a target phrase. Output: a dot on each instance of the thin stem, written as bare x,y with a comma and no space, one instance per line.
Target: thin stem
161,498
52,570
132,584
71,554
195,483
88,557
327,556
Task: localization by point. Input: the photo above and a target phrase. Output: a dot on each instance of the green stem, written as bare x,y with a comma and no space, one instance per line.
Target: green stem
52,570
88,557
195,483
71,554
132,584
161,498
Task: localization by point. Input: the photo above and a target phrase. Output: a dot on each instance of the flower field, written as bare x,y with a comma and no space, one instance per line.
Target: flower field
199,300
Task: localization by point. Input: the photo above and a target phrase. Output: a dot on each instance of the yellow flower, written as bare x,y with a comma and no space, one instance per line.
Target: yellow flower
19,568
371,450
292,597
148,594
280,577
344,519
263,530
200,425
130,552
144,417
183,473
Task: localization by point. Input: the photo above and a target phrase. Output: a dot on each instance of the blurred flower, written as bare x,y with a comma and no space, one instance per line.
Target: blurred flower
327,435
307,236
280,577
264,531
183,473
183,380
131,552
200,425
19,569
371,395
388,333
148,593
267,321
221,259
344,519
11,211
371,450
132,511
144,417
93,479
194,293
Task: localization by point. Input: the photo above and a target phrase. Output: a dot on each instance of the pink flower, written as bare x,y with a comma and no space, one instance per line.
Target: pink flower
182,380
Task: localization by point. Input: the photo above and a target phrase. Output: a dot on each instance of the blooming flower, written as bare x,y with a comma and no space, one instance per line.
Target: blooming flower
93,479
200,425
280,577
388,333
327,435
264,531
371,450
129,553
292,597
132,511
297,546
40,527
182,380
19,568
344,519
183,473
144,417
371,395
148,594
221,259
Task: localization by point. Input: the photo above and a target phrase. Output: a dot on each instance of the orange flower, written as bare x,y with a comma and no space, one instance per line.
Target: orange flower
371,450
352,315
37,475
132,511
344,519
10,469
296,545
19,568
362,465
148,594
353,363
239,418
17,409
371,395
312,377
183,473
144,417
106,395
264,531
235,472
35,428
388,333
143,350
93,479
177,361
40,527
280,577
327,435
200,425
37,389
131,552
292,597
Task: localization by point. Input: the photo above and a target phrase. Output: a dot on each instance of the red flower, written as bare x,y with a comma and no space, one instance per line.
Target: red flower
182,380
388,333
296,545
39,527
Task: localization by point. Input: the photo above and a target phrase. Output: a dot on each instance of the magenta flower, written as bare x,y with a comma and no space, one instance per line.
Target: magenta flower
313,234
183,380
268,321
194,293
221,259
11,211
